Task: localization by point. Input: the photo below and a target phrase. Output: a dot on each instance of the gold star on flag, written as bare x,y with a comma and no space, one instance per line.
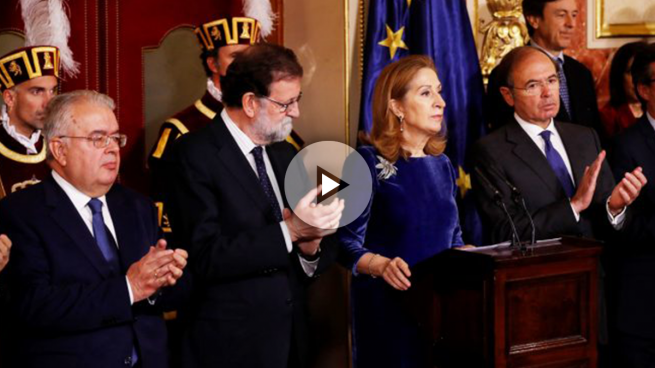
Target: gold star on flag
463,182
394,41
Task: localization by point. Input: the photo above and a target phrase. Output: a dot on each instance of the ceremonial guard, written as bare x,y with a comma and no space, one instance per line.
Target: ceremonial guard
220,41
28,80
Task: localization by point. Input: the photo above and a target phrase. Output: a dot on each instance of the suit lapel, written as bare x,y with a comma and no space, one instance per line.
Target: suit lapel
237,164
528,152
123,216
648,133
68,218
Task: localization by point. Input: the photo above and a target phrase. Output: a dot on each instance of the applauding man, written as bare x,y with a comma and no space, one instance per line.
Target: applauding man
250,255
88,274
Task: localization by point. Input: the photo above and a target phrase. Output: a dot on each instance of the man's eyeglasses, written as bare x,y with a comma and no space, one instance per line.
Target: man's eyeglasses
534,88
284,106
102,141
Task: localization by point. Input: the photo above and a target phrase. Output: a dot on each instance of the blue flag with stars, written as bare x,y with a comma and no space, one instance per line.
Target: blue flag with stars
440,29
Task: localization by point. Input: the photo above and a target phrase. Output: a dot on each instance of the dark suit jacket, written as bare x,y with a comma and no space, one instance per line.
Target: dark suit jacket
70,308
582,94
509,153
249,307
636,248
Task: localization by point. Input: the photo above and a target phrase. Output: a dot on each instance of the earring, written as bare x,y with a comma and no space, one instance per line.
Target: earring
400,119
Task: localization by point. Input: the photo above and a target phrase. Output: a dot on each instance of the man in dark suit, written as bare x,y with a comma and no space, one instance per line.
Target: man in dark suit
636,258
558,167
552,26
85,270
251,257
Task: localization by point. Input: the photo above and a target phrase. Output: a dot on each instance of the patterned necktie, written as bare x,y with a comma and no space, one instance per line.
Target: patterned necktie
564,88
266,182
557,163
102,235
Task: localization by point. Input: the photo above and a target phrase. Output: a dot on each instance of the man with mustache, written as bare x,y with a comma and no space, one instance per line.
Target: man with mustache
251,258
89,273
558,167
552,24
31,81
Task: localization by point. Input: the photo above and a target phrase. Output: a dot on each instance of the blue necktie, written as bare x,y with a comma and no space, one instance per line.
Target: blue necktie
564,88
107,247
266,182
102,235
557,163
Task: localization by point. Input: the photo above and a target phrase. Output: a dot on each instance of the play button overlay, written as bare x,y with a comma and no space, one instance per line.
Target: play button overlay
340,170
330,184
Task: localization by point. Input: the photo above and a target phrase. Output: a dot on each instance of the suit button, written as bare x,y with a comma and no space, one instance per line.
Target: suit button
128,361
289,301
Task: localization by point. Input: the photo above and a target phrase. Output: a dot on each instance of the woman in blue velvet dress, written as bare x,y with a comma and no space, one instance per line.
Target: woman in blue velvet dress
412,214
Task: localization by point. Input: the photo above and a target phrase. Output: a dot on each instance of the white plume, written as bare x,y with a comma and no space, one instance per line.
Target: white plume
262,11
46,23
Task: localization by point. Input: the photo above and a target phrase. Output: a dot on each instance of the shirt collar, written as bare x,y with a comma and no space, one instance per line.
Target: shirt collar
534,130
79,199
651,120
28,142
214,90
559,56
243,141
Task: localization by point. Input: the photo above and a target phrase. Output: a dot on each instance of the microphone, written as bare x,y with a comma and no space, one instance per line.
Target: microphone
498,198
517,197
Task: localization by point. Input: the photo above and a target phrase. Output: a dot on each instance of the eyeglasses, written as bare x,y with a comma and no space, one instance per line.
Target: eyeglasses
534,88
284,106
102,141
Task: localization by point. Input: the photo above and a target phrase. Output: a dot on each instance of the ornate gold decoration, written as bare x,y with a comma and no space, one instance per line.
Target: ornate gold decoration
216,34
24,184
505,32
409,3
163,218
246,31
605,29
463,182
394,41
48,61
15,69
24,159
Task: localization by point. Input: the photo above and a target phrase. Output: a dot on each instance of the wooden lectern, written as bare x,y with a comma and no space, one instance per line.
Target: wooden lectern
498,307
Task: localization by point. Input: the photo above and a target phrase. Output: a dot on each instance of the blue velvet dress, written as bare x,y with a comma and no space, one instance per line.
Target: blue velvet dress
413,215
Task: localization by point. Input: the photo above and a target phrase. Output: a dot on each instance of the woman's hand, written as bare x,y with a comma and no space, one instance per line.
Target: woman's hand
396,273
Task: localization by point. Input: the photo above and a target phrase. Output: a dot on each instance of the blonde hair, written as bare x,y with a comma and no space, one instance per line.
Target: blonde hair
393,84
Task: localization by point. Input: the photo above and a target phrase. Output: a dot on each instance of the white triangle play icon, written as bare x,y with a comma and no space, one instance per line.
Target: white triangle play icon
328,184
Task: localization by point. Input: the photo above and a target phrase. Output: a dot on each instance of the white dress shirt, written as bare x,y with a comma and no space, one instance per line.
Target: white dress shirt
246,145
533,131
81,204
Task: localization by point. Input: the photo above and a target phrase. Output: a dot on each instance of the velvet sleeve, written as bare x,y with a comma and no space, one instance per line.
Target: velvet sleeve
351,237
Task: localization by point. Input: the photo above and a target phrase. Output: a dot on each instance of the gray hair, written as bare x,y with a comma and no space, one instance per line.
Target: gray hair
59,113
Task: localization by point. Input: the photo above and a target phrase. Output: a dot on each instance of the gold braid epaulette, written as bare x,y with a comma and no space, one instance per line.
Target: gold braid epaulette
163,139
